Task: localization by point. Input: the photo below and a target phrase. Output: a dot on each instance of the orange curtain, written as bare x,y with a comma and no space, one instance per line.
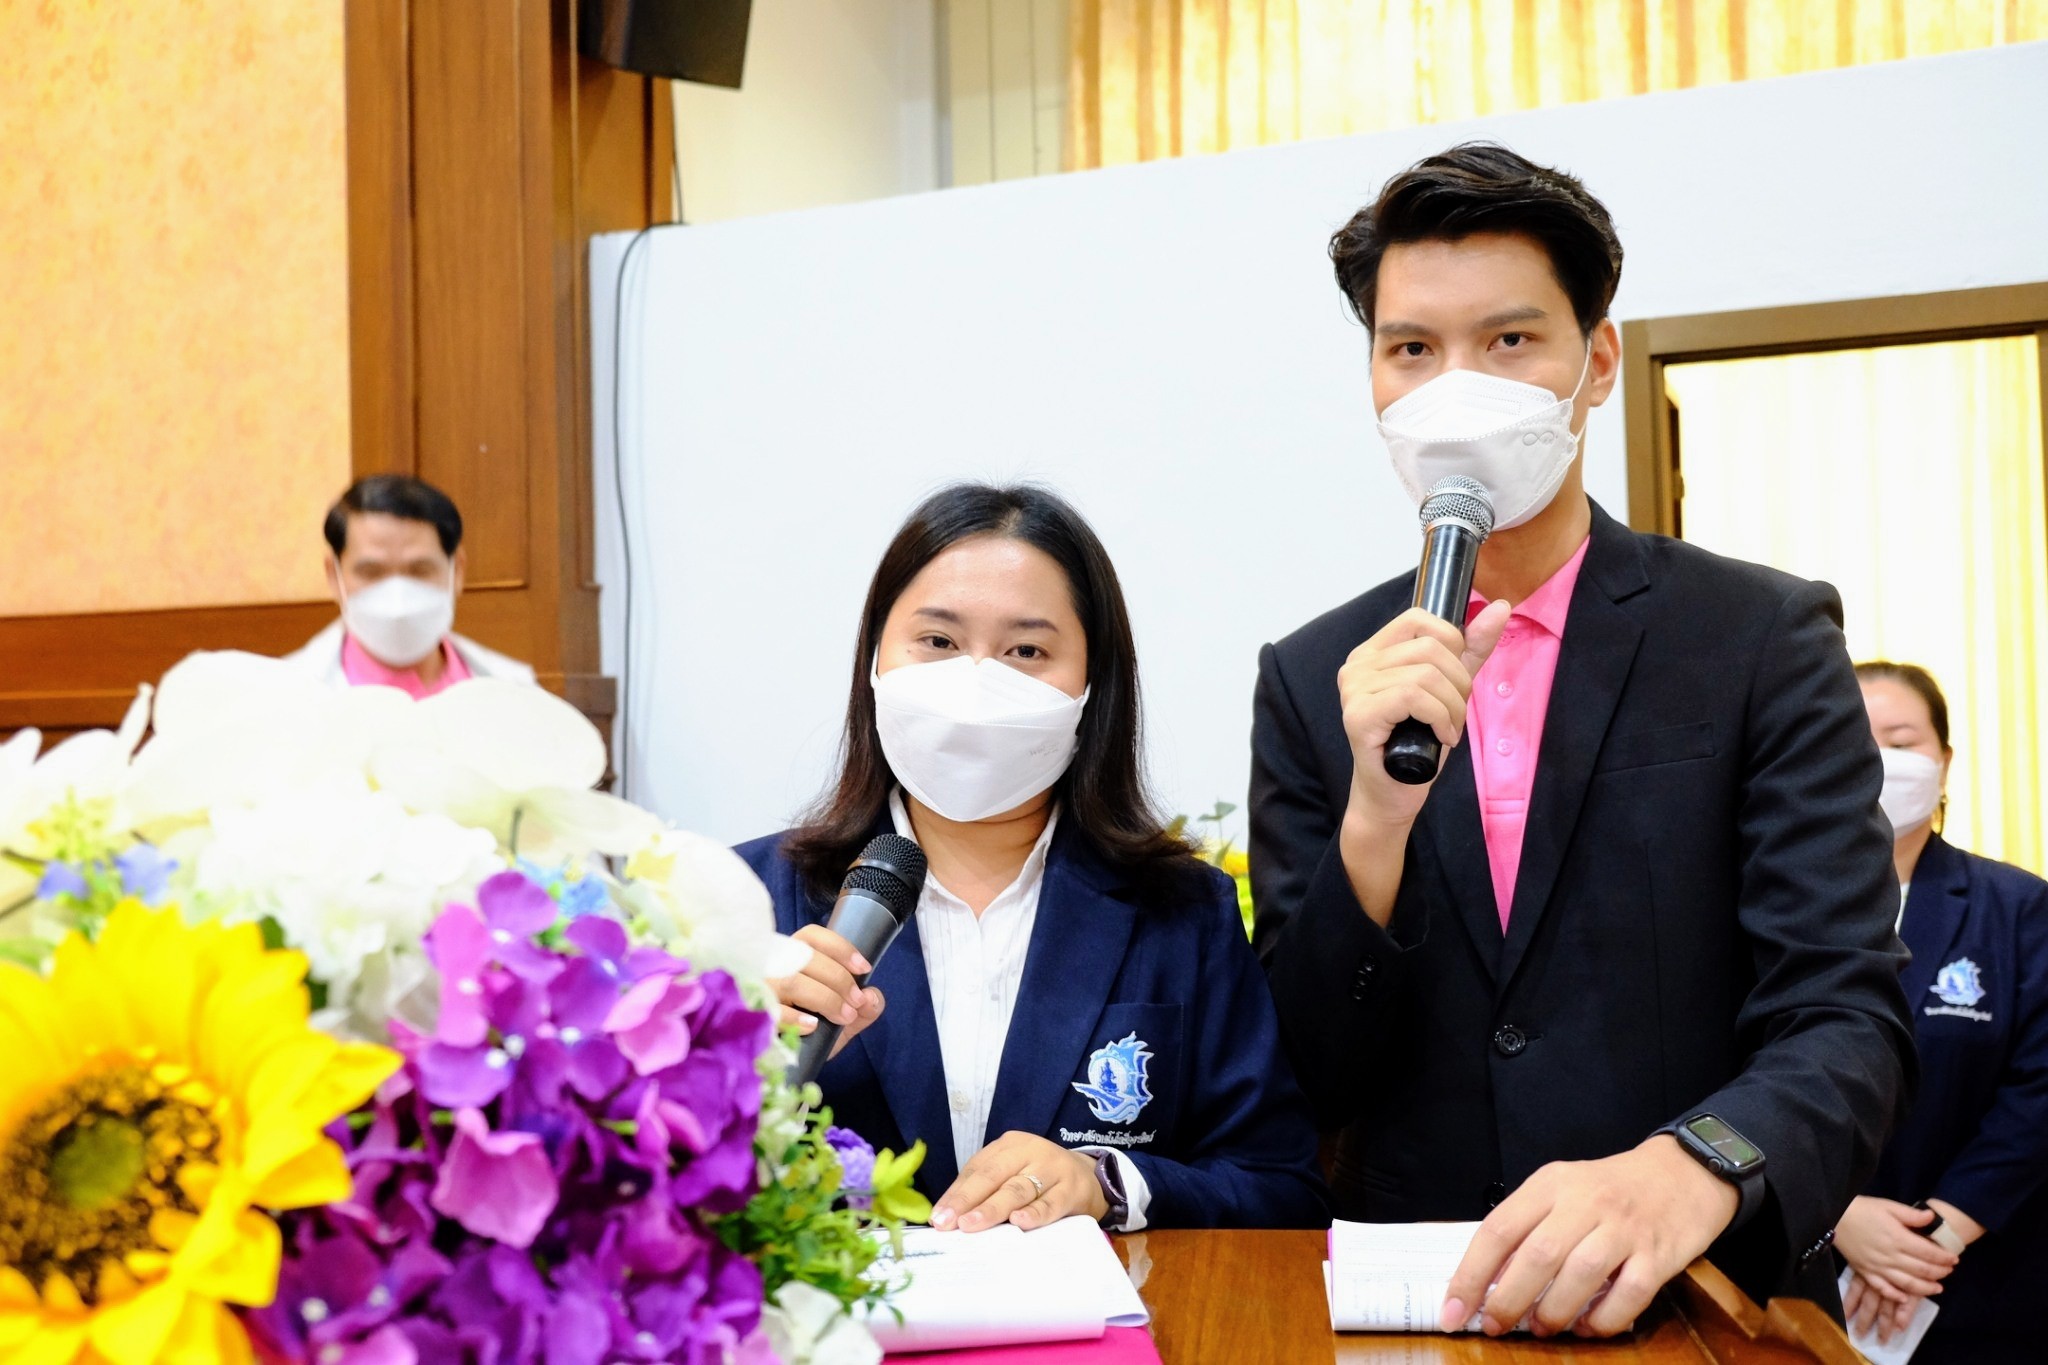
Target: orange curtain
1160,78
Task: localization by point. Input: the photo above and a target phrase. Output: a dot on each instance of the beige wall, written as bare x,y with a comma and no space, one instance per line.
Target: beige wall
174,284
838,104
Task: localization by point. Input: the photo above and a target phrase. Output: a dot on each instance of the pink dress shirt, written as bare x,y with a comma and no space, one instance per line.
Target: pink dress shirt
1504,720
362,669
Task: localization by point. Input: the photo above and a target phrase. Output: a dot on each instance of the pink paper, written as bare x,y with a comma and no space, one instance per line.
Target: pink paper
1116,1346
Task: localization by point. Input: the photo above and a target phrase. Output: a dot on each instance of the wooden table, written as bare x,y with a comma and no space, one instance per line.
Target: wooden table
1241,1298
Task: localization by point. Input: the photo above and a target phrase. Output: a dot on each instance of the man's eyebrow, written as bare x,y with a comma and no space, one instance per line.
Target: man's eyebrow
1528,312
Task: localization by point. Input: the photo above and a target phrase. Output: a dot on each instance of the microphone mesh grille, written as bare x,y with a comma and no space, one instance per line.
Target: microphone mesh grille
891,869
1457,498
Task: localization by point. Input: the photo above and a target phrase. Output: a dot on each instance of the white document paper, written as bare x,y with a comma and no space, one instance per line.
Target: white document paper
1005,1287
1392,1277
1900,1348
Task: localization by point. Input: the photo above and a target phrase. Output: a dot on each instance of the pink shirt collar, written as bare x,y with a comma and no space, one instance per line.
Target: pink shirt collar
362,669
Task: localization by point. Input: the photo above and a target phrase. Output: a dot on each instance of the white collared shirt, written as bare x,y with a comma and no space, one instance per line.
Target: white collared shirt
975,964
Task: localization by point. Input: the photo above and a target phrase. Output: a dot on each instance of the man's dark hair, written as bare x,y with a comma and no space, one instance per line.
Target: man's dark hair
1102,795
1919,680
395,495
1484,187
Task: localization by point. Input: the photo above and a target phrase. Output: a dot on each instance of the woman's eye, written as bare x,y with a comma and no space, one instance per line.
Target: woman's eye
1029,652
935,641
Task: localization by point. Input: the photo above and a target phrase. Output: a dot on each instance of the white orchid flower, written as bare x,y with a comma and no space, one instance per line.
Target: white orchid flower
807,1326
706,905
514,760
231,727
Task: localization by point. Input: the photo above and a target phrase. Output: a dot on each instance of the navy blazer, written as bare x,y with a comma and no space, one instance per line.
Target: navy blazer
1224,1141
1978,1136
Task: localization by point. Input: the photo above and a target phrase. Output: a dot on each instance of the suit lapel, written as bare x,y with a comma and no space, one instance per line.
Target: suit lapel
1460,840
903,1048
1593,663
1936,904
1077,949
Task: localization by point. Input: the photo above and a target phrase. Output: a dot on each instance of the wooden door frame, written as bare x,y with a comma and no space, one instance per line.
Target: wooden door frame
1650,344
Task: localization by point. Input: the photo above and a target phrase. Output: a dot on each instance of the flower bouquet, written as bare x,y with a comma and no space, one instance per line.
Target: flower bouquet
349,1029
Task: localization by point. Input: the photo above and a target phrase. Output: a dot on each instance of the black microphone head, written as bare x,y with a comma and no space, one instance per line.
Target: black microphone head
1457,498
891,869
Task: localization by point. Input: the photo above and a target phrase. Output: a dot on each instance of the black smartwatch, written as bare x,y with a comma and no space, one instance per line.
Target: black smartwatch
1714,1143
1110,1177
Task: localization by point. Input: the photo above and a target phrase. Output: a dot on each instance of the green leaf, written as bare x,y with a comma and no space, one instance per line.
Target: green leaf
31,953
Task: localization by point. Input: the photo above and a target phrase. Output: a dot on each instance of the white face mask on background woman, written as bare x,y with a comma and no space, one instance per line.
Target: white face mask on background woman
400,620
1516,439
971,738
1912,788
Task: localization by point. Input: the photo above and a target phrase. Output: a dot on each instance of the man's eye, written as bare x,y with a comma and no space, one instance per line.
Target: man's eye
1514,339
1410,349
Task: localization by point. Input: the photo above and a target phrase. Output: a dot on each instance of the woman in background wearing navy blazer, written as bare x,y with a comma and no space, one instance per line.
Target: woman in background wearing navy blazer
1974,1151
1141,1063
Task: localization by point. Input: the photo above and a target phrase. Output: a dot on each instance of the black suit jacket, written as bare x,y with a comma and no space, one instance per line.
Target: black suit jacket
1703,916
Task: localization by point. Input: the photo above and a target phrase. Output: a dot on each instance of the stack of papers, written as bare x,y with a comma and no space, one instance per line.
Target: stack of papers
1392,1277
1004,1287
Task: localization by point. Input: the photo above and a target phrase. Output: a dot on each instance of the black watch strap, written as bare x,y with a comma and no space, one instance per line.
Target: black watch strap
1748,1183
1110,1176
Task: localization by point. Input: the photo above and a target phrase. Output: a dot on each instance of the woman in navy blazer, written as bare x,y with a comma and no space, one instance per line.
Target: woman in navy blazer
1958,1206
1140,1078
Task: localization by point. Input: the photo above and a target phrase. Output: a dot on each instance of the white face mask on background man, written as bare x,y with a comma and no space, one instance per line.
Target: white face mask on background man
1516,439
971,738
399,619
1912,788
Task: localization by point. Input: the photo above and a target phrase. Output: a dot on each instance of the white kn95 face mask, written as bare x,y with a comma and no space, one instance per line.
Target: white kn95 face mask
1912,788
971,738
1516,439
400,620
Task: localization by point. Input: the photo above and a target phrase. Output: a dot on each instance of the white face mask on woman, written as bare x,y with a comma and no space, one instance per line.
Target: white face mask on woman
971,738
400,620
1912,788
1516,439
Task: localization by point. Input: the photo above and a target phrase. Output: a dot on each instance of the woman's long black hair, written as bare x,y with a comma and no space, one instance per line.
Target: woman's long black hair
1103,793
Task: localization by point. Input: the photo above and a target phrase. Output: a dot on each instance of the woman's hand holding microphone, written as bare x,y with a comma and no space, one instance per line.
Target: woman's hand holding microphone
826,987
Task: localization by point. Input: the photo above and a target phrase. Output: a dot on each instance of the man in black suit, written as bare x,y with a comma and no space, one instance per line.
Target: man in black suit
1558,994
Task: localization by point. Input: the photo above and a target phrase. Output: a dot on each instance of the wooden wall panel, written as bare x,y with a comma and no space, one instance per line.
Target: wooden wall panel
471,310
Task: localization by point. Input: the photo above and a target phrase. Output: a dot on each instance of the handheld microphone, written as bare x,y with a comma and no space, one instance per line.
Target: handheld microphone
1457,517
878,894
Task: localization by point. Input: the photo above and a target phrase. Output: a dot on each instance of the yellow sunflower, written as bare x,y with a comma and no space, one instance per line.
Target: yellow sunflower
158,1092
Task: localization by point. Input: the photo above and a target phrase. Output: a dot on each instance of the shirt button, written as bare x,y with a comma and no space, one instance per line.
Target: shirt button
1505,689
959,1101
1505,746
1510,1041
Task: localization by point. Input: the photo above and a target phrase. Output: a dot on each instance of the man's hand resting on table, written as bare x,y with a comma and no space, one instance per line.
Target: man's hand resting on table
1637,1219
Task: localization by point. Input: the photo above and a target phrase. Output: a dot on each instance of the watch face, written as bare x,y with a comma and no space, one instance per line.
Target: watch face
1728,1144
